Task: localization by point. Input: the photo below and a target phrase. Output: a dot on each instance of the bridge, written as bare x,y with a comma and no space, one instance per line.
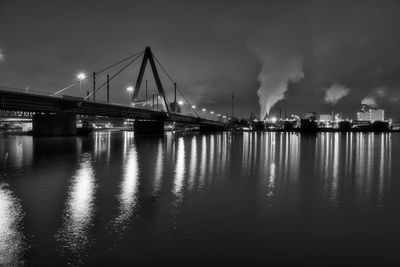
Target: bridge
56,113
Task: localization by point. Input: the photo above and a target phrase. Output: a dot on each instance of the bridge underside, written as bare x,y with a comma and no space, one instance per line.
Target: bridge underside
59,124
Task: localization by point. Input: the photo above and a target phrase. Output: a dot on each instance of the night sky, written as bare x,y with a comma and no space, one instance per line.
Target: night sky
300,56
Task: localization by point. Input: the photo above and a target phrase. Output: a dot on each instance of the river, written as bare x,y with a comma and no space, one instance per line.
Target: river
113,198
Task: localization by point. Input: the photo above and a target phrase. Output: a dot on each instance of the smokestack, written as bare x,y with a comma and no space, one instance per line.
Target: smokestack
232,103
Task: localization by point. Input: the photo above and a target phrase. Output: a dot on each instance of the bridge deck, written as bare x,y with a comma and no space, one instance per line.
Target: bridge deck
19,101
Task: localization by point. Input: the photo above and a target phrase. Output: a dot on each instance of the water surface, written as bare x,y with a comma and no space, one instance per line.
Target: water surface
200,198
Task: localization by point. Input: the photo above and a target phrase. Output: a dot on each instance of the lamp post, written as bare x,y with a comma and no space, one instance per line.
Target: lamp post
81,76
129,89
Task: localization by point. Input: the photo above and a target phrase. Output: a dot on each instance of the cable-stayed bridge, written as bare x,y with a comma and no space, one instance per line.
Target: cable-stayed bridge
55,113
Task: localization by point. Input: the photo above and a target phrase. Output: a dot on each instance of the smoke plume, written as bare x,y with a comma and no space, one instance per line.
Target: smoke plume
369,100
334,93
276,73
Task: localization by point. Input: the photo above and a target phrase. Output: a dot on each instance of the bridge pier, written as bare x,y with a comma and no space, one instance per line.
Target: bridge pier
211,128
148,127
56,124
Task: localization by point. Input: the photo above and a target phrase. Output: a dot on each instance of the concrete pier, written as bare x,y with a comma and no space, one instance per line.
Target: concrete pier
56,124
148,127
211,128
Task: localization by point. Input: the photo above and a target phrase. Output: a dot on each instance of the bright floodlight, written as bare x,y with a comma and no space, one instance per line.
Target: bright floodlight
212,112
81,76
180,102
129,88
193,107
273,119
203,109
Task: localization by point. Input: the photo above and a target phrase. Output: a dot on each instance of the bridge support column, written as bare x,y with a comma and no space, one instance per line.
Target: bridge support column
59,124
148,127
211,128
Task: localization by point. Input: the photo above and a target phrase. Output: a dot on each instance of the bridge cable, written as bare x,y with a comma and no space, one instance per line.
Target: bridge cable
172,81
98,72
118,72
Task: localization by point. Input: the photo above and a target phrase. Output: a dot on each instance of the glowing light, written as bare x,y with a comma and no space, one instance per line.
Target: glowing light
11,238
212,112
129,88
204,110
180,102
79,207
273,119
218,115
179,168
193,107
81,76
129,187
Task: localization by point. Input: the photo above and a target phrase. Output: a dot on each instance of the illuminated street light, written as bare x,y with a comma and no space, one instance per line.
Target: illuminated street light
212,112
1,55
204,110
129,89
180,102
81,76
193,107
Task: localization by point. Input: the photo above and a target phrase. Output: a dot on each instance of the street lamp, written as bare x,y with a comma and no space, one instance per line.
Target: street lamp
212,112
180,103
129,89
193,107
81,76
204,110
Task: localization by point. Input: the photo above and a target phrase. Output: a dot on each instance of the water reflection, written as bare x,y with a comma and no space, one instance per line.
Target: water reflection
79,212
203,162
279,161
358,162
179,168
11,237
193,162
17,149
129,185
159,167
102,144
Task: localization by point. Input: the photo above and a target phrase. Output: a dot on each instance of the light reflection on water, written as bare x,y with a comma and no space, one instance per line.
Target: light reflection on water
79,211
11,237
129,184
197,180
179,168
359,162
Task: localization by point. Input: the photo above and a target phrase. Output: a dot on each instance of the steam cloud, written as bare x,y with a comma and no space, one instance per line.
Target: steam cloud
334,93
369,100
276,73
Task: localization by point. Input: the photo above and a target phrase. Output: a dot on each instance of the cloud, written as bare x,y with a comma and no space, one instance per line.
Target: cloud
380,92
334,93
369,100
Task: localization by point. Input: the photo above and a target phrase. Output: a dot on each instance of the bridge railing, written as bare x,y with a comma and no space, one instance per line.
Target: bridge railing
26,91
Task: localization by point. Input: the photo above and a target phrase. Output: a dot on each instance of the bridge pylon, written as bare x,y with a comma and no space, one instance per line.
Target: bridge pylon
148,56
